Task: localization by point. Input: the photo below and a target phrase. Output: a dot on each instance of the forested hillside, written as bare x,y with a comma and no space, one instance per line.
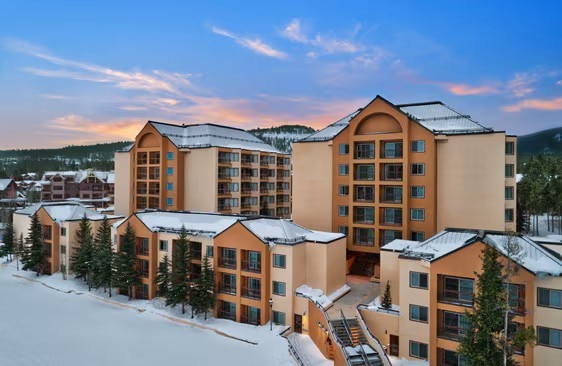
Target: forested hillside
282,136
546,142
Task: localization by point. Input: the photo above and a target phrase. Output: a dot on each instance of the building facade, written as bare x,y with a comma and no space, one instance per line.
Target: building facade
90,187
204,167
390,172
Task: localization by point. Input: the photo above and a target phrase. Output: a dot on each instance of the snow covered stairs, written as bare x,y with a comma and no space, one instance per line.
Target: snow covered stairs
357,349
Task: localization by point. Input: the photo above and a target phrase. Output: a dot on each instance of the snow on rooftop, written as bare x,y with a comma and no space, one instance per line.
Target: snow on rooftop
64,211
330,131
195,223
79,176
4,183
549,239
438,117
281,231
399,244
207,135
315,295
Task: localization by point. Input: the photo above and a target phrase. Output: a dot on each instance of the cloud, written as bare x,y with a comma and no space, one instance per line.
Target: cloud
97,130
554,104
464,89
56,97
559,82
254,44
328,45
520,85
133,108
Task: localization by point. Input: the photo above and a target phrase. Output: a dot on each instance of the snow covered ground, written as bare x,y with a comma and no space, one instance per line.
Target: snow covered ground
64,325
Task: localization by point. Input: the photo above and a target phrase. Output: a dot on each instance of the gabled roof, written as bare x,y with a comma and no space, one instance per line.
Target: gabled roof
440,118
79,176
280,231
65,211
533,256
211,135
331,131
4,183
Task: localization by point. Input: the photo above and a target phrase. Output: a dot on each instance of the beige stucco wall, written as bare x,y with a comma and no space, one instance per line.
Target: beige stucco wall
122,183
390,271
293,276
200,177
547,317
471,194
21,225
512,182
312,185
335,266
382,325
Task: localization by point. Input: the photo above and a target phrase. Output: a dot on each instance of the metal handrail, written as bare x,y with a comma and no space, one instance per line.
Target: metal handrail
375,341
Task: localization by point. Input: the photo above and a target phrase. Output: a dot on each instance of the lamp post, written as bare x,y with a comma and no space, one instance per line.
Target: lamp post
270,314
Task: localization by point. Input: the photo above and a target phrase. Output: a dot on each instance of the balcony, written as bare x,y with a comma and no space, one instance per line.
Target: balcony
251,293
251,266
223,314
463,298
451,332
250,320
227,263
225,288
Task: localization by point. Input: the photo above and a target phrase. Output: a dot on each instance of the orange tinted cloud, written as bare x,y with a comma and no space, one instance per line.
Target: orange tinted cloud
97,131
464,89
554,104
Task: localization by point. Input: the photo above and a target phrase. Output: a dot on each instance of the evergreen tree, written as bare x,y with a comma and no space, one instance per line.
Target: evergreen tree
163,277
124,272
82,260
19,251
181,271
203,296
9,242
386,301
34,259
103,257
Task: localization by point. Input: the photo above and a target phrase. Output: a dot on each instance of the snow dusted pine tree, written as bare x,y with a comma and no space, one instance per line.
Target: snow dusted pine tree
19,251
203,296
163,277
82,260
386,300
9,242
103,257
34,258
181,271
124,272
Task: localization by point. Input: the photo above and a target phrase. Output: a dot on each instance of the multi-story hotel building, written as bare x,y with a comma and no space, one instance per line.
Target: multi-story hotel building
202,167
88,186
407,171
433,284
59,222
254,260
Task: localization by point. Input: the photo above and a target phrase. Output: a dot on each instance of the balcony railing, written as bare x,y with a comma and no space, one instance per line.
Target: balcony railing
227,289
143,273
451,332
251,293
250,320
251,266
196,254
455,297
227,263
227,315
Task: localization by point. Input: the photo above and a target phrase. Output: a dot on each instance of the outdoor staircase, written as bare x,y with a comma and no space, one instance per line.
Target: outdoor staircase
357,350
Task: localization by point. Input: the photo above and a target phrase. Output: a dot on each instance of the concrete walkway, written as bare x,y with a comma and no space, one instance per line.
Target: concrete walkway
362,291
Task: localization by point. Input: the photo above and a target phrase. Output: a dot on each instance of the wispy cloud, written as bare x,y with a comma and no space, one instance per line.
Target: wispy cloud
465,89
56,97
520,85
324,44
103,130
554,104
254,44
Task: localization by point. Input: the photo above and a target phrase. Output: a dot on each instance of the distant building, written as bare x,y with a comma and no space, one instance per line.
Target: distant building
254,259
407,171
86,186
59,221
203,167
433,284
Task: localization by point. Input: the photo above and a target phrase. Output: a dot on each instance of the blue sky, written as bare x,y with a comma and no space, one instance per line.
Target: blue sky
75,72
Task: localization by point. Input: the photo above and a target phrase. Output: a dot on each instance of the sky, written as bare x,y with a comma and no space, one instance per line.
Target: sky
80,72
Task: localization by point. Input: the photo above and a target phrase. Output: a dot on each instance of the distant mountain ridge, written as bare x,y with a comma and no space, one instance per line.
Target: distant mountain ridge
98,151
281,137
545,142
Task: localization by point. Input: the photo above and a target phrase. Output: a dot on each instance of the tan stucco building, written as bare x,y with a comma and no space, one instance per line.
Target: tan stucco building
203,167
433,284
254,260
407,171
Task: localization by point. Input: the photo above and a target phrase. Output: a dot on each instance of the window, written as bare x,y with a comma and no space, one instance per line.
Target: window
418,280
363,215
516,294
364,151
389,235
417,214
418,350
391,194
227,258
62,231
364,193
364,172
169,201
417,169
418,313
509,170
456,290
392,216
508,193
169,186
418,146
279,260
279,288
452,325
209,251
344,149
163,245
169,171
343,210
549,298
508,215
342,229
142,158
154,157
549,337
228,284
343,190
63,249
509,148
279,317
343,169
417,191
363,237
417,236
169,155
449,358
392,150
392,171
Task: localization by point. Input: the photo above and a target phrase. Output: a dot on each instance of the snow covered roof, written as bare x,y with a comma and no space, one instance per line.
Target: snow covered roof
331,131
317,296
211,135
4,183
440,118
398,245
65,211
196,223
534,257
280,231
79,176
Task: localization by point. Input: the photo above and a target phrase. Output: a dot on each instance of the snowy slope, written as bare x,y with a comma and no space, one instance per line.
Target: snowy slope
281,137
